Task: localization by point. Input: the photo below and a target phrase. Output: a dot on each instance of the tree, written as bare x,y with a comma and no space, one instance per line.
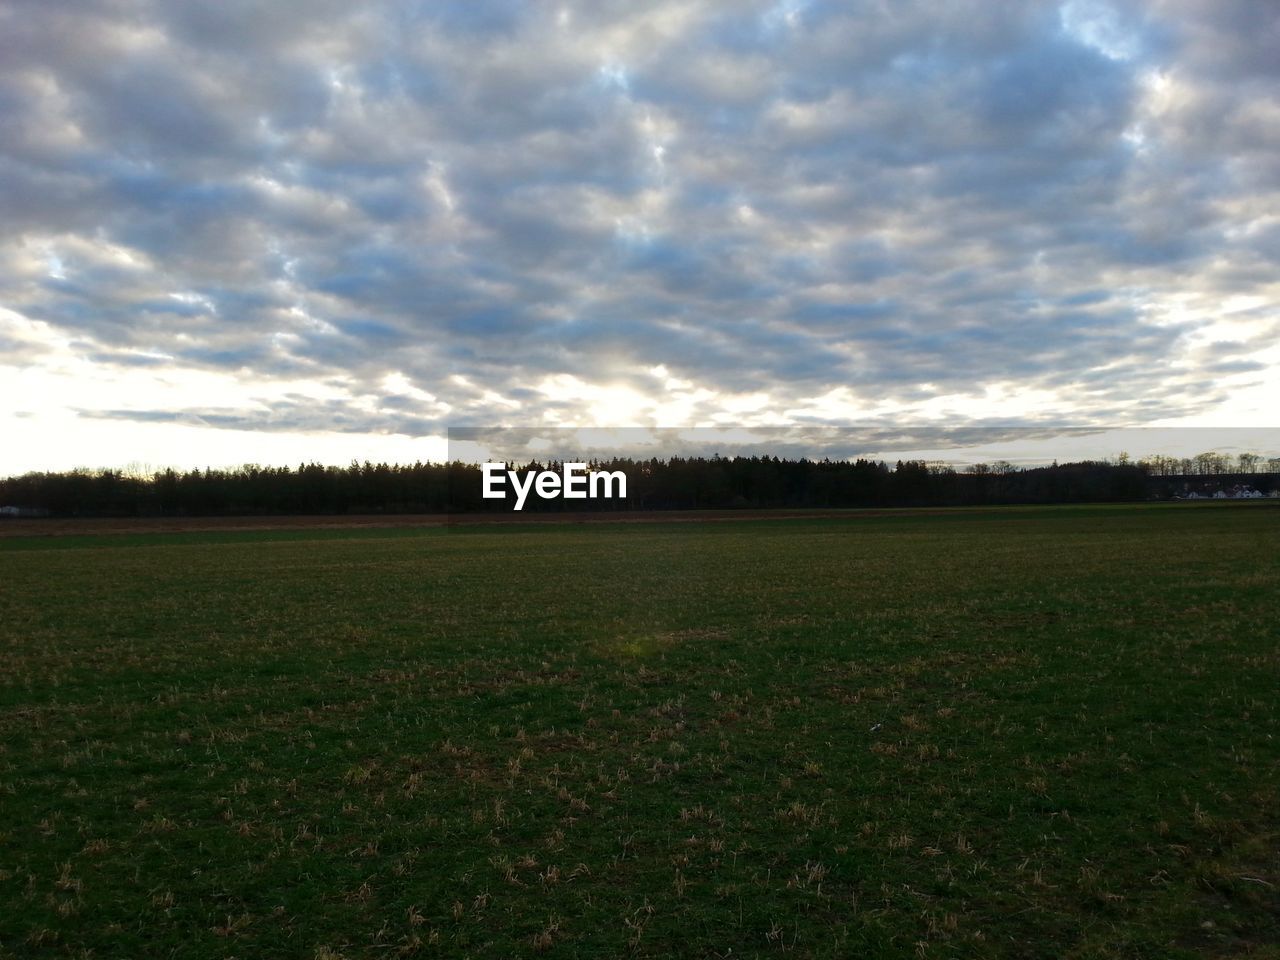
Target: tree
1248,462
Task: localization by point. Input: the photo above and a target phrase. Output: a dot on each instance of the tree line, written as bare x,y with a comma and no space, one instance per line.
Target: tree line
1210,464
677,483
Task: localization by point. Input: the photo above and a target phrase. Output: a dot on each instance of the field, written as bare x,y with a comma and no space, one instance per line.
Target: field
1031,732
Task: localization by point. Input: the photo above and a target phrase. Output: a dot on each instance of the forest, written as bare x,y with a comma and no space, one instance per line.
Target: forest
677,483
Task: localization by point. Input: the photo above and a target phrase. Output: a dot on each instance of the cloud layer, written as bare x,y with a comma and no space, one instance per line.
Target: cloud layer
398,217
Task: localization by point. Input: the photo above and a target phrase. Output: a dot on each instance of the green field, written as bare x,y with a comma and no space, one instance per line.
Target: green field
1006,733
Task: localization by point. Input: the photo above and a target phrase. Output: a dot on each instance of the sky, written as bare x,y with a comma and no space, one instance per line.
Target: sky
276,232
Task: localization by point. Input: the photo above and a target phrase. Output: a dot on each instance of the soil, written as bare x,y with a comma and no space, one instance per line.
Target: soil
75,526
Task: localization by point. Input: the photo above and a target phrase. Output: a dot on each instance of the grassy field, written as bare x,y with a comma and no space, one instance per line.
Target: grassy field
1020,733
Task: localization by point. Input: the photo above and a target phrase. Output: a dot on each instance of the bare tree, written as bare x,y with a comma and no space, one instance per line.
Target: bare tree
1248,462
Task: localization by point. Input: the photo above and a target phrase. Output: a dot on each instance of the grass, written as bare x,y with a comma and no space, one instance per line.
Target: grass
1025,733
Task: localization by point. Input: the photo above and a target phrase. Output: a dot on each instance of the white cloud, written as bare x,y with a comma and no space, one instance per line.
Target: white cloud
390,220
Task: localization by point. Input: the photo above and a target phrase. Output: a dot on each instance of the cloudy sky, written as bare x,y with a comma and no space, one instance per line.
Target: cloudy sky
271,232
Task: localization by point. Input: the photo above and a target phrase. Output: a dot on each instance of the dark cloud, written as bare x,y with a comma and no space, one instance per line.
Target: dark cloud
896,201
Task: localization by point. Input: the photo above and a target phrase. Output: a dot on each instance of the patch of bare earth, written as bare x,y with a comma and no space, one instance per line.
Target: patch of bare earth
90,526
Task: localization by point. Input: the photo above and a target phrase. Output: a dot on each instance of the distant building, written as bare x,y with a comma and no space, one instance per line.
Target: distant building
24,512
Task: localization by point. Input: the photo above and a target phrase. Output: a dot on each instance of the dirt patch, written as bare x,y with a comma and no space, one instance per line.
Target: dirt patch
76,526
93,526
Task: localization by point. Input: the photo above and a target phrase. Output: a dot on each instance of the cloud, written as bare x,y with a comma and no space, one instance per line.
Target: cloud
801,211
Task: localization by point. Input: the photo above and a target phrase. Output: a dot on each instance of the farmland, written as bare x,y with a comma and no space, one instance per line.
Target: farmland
1024,732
